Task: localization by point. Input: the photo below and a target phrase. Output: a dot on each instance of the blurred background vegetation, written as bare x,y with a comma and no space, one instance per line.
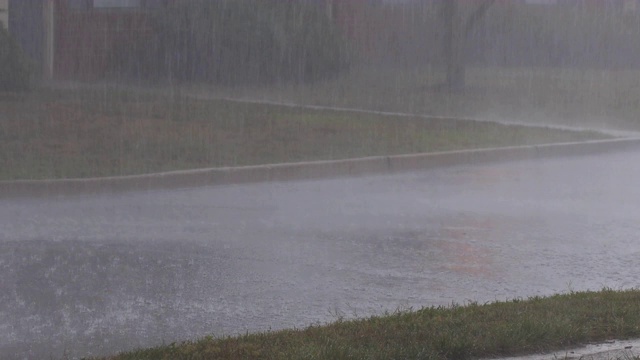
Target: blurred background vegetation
235,42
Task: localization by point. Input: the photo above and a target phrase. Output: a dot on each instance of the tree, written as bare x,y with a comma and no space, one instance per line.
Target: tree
457,30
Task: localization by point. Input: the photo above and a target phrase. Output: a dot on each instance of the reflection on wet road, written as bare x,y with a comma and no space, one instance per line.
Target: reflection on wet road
97,274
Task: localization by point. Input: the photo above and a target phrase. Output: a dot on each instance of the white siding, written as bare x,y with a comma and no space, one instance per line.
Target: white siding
4,13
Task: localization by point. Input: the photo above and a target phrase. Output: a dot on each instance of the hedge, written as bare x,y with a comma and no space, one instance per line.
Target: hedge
237,41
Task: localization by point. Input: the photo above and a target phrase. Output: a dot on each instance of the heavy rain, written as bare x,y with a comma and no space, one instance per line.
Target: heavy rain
172,170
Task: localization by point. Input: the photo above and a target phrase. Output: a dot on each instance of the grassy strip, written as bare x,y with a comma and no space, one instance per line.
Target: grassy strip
579,97
457,332
89,133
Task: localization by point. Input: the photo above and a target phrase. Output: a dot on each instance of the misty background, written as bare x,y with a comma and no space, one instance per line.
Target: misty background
98,88
564,61
244,41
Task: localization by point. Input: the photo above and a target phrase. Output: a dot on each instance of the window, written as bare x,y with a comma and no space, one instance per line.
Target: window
116,3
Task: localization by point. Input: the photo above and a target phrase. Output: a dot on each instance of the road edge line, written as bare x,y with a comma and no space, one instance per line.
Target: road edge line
374,165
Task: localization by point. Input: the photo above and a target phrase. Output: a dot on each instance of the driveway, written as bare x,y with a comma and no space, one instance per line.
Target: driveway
92,275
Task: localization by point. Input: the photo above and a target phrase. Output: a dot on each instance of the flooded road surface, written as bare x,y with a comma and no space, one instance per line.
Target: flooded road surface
94,275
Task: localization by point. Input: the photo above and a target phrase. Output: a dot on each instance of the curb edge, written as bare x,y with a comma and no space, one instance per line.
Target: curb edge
374,165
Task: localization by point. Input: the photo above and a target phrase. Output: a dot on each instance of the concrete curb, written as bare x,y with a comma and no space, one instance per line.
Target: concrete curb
611,350
307,170
614,133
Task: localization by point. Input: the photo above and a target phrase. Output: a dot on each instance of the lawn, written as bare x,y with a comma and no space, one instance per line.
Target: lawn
106,130
569,96
458,332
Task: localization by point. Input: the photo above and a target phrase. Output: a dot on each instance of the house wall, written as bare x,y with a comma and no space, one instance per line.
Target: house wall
87,39
385,30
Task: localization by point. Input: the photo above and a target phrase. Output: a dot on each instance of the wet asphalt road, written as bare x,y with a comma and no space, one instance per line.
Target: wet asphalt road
92,275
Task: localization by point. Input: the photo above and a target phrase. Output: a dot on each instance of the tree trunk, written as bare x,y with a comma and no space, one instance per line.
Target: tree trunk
453,47
455,40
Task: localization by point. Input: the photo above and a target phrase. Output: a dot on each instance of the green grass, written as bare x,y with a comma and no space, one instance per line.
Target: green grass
106,132
577,97
457,332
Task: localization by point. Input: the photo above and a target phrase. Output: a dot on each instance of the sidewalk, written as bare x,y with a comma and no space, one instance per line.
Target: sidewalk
204,93
613,350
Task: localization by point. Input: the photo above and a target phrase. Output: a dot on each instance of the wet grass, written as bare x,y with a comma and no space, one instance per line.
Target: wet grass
106,131
569,96
456,332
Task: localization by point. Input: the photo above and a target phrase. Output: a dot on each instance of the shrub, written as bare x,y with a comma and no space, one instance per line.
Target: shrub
237,41
15,68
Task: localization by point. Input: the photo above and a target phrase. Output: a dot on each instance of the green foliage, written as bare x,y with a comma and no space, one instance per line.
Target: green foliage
15,68
568,35
235,42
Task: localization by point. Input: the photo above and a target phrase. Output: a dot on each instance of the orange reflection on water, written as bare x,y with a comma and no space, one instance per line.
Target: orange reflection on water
463,246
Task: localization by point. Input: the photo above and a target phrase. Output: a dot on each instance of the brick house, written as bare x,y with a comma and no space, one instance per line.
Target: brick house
88,33
72,39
